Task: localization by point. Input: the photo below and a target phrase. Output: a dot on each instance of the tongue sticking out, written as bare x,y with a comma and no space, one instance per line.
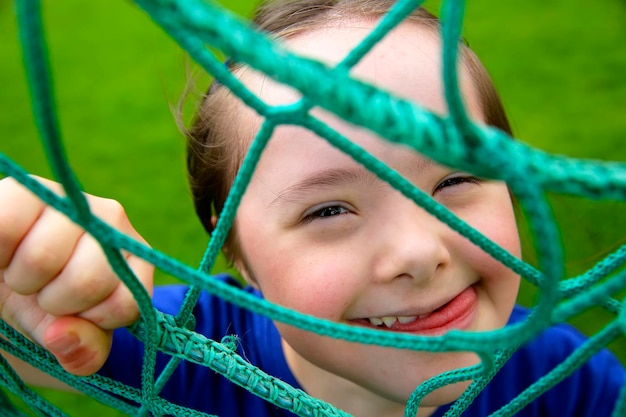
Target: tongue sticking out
456,314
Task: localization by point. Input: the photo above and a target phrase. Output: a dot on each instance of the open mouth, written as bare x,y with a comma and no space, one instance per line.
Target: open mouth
455,314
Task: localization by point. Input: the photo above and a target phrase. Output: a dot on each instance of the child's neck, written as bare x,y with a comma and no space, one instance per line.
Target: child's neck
342,393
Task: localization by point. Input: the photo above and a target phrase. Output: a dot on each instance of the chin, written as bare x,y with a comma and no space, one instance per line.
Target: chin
445,395
399,385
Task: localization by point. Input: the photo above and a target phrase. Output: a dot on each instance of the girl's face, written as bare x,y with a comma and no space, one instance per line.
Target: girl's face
322,235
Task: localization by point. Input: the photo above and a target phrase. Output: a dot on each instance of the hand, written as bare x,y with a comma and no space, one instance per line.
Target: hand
56,286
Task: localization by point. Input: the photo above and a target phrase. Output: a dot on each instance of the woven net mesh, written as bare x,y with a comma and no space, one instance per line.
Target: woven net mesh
453,140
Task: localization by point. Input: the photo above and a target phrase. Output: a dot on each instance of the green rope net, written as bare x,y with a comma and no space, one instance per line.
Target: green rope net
453,141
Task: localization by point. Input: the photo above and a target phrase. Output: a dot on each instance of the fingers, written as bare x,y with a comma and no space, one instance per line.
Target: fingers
88,286
42,253
68,270
120,307
80,346
56,285
22,312
16,217
84,280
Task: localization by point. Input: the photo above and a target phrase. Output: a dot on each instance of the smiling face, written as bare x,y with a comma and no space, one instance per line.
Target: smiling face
322,235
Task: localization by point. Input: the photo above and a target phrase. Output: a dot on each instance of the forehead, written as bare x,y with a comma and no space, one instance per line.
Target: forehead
406,62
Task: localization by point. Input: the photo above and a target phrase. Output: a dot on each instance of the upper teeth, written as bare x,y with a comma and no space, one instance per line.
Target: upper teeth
391,320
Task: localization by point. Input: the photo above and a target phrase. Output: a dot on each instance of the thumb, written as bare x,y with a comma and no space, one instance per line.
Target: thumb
80,346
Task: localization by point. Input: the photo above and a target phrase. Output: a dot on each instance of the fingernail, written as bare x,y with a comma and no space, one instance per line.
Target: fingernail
64,345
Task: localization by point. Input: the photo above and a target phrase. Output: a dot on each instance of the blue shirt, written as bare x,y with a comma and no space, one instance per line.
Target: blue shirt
590,391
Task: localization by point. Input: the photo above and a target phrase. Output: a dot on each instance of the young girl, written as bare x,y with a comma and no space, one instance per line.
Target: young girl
317,233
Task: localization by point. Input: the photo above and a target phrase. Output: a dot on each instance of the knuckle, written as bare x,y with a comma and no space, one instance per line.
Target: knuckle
112,211
36,266
71,296
125,309
51,305
9,238
119,310
8,217
125,313
41,259
144,271
8,184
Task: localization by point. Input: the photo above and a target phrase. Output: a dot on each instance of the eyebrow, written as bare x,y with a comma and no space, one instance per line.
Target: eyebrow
325,179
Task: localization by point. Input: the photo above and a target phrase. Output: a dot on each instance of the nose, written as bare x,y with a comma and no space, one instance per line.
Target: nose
411,244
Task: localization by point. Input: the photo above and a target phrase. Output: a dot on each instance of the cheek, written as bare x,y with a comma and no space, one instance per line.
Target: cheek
499,225
311,282
496,221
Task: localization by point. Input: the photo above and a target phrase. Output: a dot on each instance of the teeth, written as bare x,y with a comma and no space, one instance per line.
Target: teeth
389,320
406,319
376,321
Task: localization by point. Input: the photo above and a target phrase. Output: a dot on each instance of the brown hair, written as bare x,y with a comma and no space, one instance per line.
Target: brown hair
213,157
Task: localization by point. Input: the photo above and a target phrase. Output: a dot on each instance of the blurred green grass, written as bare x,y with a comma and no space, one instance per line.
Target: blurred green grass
559,66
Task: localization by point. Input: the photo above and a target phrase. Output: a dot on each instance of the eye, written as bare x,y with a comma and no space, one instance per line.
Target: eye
456,181
326,212
330,211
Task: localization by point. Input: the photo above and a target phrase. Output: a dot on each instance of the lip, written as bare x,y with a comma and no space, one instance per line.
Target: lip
458,313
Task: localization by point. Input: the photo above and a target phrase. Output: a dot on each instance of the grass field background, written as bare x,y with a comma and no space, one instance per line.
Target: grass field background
559,66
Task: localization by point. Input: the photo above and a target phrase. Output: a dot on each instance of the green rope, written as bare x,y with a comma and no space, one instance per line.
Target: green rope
452,140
